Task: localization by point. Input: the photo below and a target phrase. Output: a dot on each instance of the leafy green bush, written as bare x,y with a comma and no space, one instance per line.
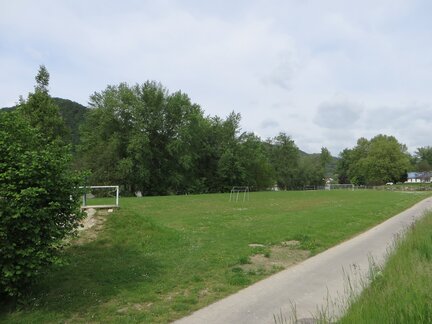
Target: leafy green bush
39,202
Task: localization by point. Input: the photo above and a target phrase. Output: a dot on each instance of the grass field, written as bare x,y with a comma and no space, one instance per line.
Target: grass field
402,291
159,258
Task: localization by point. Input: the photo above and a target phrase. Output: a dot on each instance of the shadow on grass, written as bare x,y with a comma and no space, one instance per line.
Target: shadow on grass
94,274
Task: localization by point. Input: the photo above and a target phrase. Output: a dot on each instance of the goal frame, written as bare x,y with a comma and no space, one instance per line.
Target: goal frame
236,190
340,186
84,197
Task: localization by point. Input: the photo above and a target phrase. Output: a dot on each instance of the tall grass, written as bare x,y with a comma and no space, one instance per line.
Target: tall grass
402,291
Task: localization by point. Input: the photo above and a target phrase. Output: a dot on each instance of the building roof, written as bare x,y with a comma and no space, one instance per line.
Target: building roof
417,175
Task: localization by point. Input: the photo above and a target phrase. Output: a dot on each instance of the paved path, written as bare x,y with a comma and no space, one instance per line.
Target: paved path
312,283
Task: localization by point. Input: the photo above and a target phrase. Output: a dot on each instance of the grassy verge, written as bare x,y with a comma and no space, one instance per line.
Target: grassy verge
407,187
160,258
402,291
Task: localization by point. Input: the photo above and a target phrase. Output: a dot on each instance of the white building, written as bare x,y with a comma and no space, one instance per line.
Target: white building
419,177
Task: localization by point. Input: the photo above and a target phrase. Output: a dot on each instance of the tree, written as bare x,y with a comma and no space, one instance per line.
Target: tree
380,160
387,160
423,166
218,140
42,80
41,112
73,115
39,201
343,166
325,157
143,138
327,162
258,170
230,169
311,170
284,155
350,165
423,157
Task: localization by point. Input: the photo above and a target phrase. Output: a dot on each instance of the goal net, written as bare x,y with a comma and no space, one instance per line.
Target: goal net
100,196
242,192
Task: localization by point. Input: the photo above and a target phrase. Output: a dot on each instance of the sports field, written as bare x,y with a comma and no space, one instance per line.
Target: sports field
159,258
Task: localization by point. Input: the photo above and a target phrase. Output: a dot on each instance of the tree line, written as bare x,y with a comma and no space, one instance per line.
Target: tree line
158,143
147,139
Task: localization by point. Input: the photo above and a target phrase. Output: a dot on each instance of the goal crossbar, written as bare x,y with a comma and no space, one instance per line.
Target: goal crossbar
117,195
235,192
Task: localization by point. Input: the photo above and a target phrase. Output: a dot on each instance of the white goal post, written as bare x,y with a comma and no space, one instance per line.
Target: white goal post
235,192
85,196
335,186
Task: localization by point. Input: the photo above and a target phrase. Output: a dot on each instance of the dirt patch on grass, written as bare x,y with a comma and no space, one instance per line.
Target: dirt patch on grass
91,225
280,257
254,245
137,307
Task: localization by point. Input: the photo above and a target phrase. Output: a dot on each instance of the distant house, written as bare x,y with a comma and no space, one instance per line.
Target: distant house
419,177
328,180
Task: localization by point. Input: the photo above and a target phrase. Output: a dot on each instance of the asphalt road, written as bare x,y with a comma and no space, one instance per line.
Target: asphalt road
318,283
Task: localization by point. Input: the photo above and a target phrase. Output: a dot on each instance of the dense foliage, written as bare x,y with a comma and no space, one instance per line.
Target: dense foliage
146,139
423,159
72,113
39,201
149,140
374,162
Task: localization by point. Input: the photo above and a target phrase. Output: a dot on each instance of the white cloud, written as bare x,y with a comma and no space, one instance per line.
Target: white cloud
338,114
283,73
269,123
276,62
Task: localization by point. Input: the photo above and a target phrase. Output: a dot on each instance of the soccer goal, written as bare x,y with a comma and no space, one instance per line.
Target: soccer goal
100,197
239,191
334,186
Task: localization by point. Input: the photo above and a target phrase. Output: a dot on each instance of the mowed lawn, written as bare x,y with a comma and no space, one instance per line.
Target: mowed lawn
157,259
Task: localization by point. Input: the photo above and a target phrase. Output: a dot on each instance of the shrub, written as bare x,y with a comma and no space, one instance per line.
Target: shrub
39,202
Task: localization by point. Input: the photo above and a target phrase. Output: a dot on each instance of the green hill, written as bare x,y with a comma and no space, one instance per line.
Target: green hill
74,115
72,112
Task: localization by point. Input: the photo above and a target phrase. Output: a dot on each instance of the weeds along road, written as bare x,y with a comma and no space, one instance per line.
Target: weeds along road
320,284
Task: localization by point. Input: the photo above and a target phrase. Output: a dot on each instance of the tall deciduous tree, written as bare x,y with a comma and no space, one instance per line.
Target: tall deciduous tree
380,160
258,170
285,160
143,138
387,160
343,166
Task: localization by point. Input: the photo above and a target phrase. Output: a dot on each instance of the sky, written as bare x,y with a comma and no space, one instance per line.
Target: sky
325,72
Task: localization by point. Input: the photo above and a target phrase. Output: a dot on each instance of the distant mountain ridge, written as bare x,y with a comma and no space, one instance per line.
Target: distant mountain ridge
72,112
